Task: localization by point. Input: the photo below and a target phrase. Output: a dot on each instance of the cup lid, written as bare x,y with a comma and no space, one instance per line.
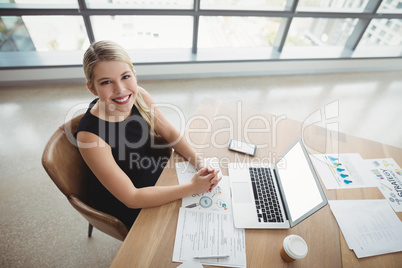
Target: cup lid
295,247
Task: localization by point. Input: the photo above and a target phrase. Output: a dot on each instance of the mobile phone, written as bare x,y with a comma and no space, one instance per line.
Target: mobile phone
242,147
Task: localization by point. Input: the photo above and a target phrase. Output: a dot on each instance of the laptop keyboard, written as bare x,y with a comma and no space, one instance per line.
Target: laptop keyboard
266,200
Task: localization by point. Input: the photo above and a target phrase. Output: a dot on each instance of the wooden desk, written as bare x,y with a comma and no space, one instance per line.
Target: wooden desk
150,242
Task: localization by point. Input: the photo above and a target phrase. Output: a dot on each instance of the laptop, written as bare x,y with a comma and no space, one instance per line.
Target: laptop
292,194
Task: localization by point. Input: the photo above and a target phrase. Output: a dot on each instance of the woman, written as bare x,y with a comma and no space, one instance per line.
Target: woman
115,140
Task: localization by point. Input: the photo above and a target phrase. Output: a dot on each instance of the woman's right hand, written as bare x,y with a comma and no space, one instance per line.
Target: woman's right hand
201,181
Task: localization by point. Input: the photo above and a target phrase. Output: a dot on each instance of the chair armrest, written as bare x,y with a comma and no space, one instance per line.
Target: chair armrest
100,220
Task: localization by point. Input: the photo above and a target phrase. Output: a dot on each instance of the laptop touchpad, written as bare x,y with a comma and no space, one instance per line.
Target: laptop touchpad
241,193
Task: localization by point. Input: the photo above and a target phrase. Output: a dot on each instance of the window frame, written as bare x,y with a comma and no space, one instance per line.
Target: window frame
195,54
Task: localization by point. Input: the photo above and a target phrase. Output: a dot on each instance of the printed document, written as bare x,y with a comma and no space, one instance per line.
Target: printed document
205,226
342,171
389,178
207,233
217,200
370,227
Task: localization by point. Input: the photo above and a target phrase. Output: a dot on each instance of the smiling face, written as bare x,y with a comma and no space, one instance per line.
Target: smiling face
116,86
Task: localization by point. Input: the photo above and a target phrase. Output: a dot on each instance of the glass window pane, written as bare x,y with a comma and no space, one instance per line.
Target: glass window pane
14,35
42,33
243,4
390,6
237,32
383,32
145,32
138,4
41,2
319,32
332,5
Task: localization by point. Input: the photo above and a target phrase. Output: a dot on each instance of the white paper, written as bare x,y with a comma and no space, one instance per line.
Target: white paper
205,226
343,171
186,171
370,227
191,263
216,200
389,178
208,233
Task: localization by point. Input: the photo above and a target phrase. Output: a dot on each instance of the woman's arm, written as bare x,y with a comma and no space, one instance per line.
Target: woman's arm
100,160
172,136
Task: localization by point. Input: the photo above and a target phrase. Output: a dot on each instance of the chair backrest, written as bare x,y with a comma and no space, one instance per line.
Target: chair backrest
64,164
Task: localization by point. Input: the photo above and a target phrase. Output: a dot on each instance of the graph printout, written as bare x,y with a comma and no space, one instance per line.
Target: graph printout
339,171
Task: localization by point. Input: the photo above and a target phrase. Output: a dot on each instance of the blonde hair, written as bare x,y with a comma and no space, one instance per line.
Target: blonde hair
111,51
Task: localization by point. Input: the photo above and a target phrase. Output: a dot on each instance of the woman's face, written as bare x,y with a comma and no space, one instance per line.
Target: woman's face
115,85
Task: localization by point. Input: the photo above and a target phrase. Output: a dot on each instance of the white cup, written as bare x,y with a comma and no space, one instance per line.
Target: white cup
294,248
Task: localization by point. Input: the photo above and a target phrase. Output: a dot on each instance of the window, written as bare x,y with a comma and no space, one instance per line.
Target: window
332,6
319,32
244,4
381,30
39,3
199,30
391,6
14,35
145,32
384,40
42,33
138,4
237,32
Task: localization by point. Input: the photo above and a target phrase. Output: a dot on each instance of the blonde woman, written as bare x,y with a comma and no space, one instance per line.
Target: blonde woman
114,139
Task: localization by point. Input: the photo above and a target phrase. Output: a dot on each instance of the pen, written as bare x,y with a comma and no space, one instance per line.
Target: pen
211,256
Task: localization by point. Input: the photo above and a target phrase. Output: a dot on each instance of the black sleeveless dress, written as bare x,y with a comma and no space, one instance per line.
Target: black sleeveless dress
137,153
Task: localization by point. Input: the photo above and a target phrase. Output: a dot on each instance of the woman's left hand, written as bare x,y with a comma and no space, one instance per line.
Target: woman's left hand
217,175
215,180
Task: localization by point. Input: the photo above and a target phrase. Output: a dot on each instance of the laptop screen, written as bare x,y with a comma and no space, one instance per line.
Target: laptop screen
301,189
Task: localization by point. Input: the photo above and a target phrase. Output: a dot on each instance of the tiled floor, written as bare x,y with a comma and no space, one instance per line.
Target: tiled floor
39,228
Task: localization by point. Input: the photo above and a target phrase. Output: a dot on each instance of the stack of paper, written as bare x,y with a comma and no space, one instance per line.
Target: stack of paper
370,227
204,234
205,227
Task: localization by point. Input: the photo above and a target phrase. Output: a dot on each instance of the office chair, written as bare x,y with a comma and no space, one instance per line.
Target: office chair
65,166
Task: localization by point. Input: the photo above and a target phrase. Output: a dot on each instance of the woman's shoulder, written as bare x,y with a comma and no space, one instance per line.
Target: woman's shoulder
88,132
88,122
146,96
